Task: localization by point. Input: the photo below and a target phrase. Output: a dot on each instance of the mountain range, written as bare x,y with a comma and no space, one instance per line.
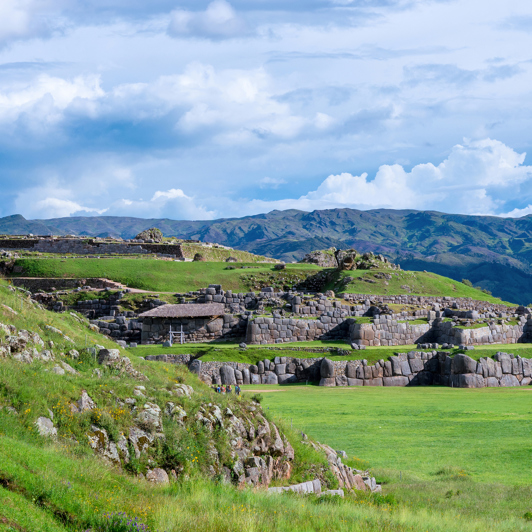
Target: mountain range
494,253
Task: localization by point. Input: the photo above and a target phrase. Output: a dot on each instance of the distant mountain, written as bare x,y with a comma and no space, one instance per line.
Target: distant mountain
495,253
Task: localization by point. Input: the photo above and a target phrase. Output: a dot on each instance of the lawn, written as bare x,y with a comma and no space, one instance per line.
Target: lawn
434,447
170,276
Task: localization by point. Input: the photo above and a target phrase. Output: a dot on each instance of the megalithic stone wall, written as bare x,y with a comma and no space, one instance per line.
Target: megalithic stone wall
405,369
280,330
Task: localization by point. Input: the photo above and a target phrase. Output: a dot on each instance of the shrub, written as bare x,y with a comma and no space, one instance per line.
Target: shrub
257,397
467,282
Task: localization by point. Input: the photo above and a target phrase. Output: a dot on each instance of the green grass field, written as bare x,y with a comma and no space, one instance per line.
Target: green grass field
440,449
169,276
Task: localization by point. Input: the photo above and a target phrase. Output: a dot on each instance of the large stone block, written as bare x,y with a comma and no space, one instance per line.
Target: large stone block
468,380
351,370
395,381
227,374
286,378
373,382
341,380
280,369
405,367
326,369
270,378
416,365
463,364
509,380
355,382
327,381
492,382
396,366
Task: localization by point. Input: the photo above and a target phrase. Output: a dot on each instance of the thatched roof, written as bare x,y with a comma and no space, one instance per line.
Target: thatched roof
192,310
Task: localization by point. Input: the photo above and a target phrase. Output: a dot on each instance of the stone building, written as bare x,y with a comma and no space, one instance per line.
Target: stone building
202,322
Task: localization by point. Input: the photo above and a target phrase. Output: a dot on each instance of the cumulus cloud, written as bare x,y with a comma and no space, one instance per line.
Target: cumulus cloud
271,182
173,204
472,179
45,98
23,19
218,21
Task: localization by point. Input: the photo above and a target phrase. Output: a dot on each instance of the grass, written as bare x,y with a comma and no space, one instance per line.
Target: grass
169,276
230,352
417,283
444,450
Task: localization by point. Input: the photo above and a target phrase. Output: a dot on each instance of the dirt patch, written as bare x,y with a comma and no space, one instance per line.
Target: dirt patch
263,391
12,524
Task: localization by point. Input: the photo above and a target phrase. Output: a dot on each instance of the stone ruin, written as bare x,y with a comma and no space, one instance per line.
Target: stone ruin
415,368
348,259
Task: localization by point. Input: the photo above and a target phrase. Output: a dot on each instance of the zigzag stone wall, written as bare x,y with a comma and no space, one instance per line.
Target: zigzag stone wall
404,369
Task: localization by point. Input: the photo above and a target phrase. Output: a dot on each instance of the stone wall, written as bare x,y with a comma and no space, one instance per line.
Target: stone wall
404,369
90,247
386,330
157,330
280,330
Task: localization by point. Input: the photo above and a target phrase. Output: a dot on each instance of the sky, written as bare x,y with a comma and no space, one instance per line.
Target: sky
207,109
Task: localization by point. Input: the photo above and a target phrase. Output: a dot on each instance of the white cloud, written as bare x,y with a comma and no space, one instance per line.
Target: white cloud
271,182
173,203
45,98
218,21
471,180
518,213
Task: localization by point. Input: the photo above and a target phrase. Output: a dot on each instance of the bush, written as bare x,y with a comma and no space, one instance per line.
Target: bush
467,282
257,398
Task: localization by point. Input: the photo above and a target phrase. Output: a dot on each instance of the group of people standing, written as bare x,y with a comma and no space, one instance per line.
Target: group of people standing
218,388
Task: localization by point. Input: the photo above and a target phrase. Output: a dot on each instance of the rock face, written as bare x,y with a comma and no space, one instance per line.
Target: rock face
152,235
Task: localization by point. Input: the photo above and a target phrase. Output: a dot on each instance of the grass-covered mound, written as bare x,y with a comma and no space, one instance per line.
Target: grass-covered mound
386,282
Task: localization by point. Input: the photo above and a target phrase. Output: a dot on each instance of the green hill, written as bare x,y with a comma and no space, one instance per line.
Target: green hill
492,252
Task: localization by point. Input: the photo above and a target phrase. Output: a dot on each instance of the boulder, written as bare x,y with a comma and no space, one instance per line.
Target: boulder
45,427
355,382
157,476
327,381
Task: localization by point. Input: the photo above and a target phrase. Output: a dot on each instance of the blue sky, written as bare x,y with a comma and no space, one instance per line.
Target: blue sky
206,109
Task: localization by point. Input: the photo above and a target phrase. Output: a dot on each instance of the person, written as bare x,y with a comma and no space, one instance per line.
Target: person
228,388
237,389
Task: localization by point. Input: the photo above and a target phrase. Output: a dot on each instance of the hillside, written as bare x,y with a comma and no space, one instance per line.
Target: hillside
460,246
85,436
169,276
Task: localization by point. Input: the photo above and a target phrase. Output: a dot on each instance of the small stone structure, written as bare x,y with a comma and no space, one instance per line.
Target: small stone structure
199,323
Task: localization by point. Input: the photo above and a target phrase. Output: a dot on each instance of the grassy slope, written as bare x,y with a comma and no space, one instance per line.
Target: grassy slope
63,487
443,441
419,283
165,276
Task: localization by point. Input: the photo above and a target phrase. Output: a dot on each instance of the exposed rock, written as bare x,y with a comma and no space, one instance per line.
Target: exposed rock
149,418
157,476
45,427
